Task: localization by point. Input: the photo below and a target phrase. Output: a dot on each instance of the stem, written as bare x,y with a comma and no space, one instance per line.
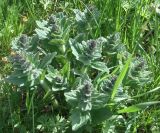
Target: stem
33,123
10,109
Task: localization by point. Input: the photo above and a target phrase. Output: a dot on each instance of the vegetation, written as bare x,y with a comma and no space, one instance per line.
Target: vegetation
80,66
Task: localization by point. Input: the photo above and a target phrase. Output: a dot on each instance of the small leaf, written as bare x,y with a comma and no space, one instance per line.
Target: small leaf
41,33
65,71
41,24
46,86
58,88
101,66
80,16
71,98
47,60
57,42
66,33
74,49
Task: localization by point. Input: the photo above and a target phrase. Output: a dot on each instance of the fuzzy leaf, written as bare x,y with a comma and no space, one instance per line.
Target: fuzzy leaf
47,60
99,100
41,33
100,115
80,16
101,66
79,119
71,98
17,81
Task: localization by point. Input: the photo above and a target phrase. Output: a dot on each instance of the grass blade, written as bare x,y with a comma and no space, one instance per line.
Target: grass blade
121,77
138,107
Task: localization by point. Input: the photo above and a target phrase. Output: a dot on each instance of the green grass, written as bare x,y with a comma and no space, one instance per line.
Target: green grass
136,20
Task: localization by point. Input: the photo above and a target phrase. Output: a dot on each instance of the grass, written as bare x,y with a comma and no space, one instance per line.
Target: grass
137,21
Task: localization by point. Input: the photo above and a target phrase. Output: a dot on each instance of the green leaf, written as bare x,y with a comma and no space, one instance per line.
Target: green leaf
33,43
41,24
58,88
99,100
79,119
100,115
30,102
41,33
75,51
46,86
66,33
65,71
101,66
57,42
17,81
71,98
47,60
120,77
80,16
18,74
138,107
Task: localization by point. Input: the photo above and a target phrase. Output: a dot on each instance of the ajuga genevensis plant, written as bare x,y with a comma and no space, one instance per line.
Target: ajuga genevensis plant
83,78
